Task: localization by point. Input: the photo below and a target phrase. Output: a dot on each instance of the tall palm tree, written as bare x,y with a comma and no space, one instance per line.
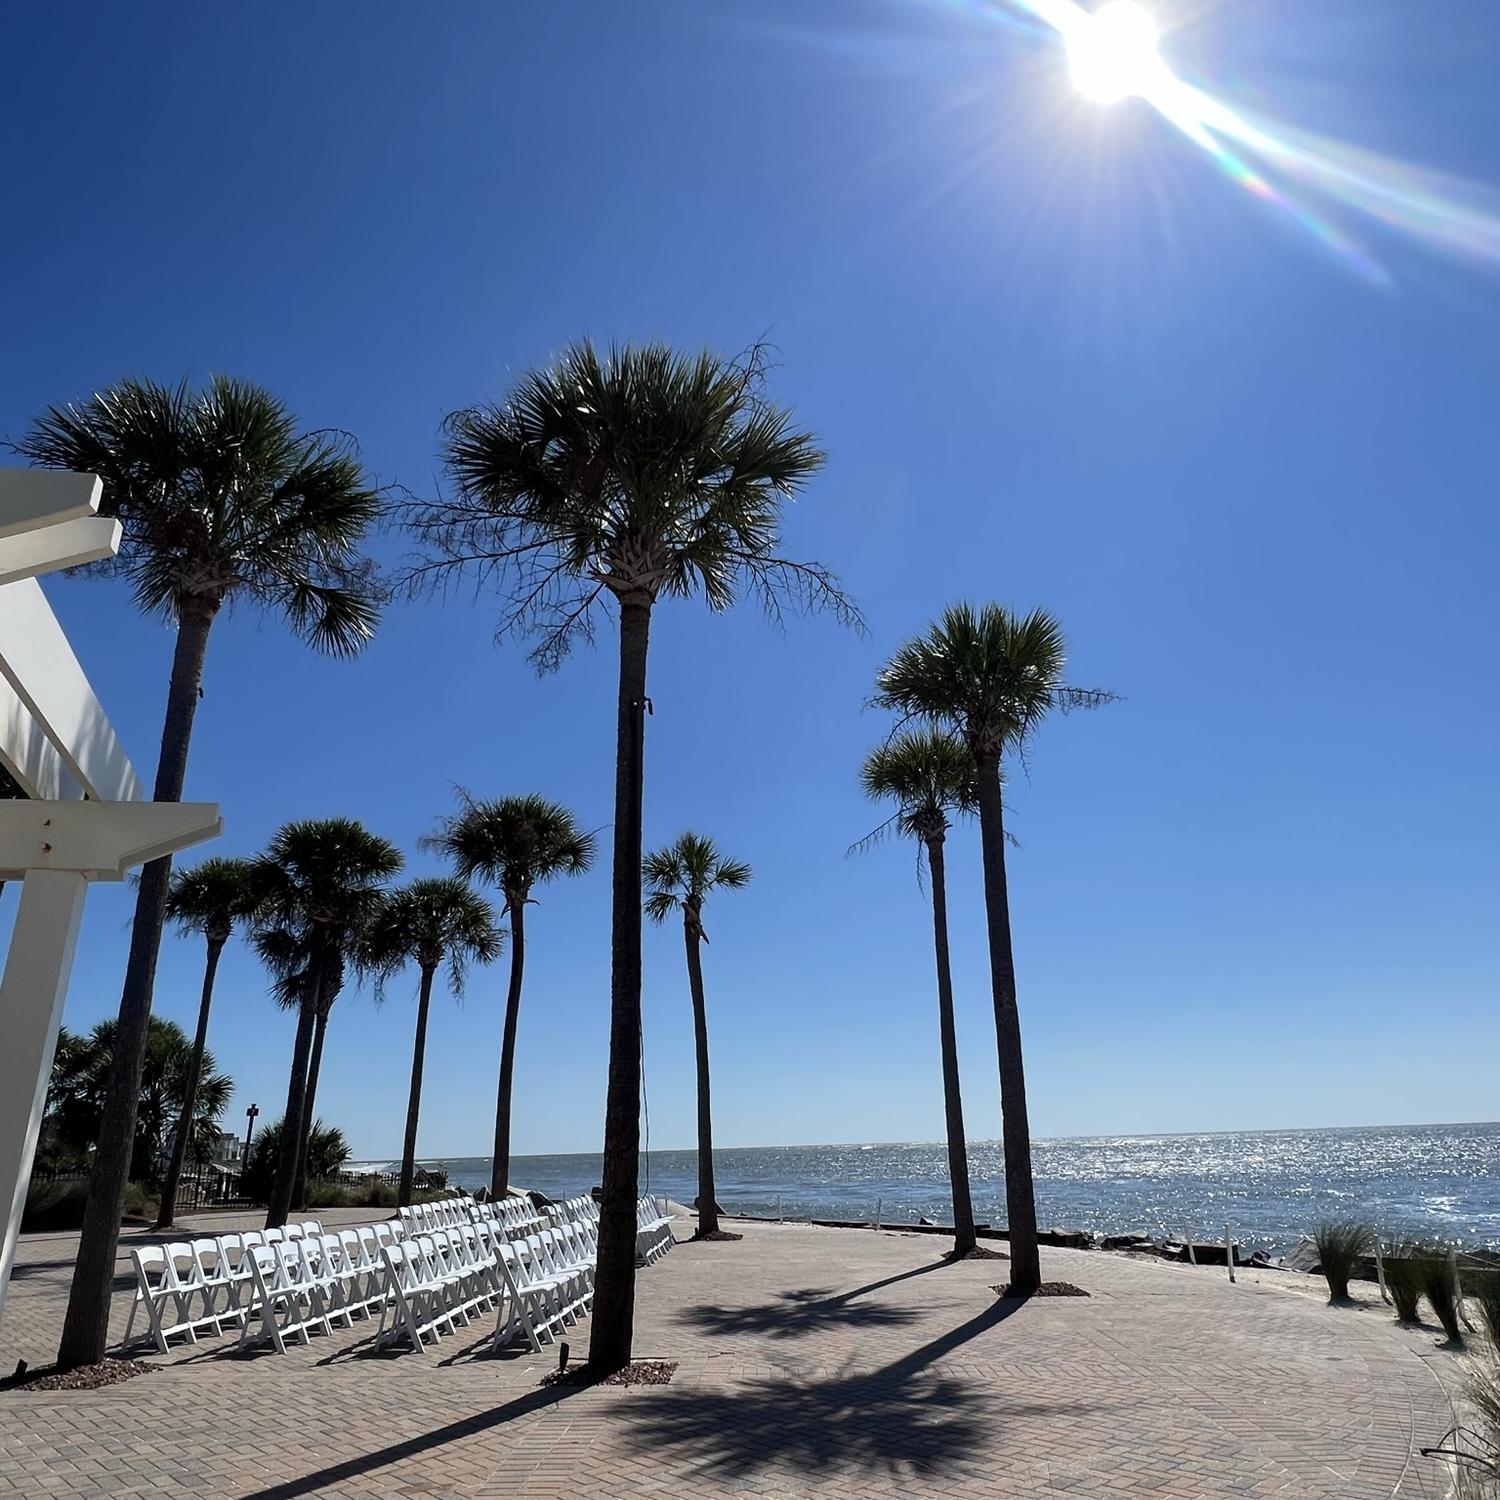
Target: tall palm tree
515,843
321,880
681,877
990,677
428,923
929,775
624,477
288,956
207,900
220,499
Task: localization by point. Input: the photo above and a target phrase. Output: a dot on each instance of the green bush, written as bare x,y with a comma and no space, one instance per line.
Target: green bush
371,1193
327,1151
1441,1291
1404,1277
1485,1290
55,1206
1341,1249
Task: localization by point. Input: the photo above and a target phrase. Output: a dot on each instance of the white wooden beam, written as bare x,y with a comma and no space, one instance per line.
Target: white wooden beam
27,753
32,992
68,544
38,663
30,498
101,840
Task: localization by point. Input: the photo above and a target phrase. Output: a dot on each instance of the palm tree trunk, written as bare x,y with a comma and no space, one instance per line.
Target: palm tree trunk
708,1203
614,1285
310,1103
86,1326
964,1238
414,1100
296,1095
1020,1197
500,1165
190,1092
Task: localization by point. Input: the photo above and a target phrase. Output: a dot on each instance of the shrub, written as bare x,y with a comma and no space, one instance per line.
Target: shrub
1486,1292
327,1151
371,1193
1441,1291
55,1206
1403,1280
1341,1249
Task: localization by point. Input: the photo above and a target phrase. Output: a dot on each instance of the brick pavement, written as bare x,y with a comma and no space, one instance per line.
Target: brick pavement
812,1361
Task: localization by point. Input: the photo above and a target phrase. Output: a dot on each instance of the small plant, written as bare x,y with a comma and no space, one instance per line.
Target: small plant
1341,1249
1403,1280
1441,1289
1486,1292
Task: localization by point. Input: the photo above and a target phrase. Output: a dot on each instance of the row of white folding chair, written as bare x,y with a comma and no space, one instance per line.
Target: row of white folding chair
515,1215
184,1277
438,1213
435,1282
296,1290
549,1281
653,1231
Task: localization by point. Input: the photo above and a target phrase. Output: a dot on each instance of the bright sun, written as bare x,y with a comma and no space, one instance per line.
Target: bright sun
1112,52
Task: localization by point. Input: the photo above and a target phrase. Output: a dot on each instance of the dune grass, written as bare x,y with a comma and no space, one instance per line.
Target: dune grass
1342,1246
1404,1279
1442,1293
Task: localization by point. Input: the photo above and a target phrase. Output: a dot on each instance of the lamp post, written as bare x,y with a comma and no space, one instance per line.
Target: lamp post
250,1115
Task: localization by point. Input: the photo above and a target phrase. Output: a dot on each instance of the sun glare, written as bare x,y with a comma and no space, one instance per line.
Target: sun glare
1112,52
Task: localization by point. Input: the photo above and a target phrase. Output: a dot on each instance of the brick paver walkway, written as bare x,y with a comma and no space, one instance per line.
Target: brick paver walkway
831,1362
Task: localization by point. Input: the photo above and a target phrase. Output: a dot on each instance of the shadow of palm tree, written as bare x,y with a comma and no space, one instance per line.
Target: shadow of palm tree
810,1310
902,1417
796,1314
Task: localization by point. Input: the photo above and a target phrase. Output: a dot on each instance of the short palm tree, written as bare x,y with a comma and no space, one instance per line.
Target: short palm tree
624,477
990,677
929,775
206,900
321,880
428,923
681,877
515,843
220,499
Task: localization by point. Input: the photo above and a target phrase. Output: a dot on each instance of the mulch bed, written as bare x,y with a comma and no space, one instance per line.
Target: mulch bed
638,1372
1046,1289
84,1378
979,1252
716,1236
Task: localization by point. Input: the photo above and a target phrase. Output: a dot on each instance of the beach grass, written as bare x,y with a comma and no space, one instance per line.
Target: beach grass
1342,1246
1404,1281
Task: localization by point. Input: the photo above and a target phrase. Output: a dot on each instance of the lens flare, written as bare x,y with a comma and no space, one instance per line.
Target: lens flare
1112,55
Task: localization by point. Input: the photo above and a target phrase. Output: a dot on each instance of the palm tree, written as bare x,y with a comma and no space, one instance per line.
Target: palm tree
287,955
625,477
320,880
79,1088
219,498
990,677
929,775
681,877
207,899
515,843
429,923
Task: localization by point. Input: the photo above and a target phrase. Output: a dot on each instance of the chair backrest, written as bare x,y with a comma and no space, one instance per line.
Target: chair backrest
292,1231
153,1270
231,1249
275,1236
312,1227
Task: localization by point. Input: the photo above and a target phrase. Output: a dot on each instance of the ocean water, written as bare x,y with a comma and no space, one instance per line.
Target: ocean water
1435,1181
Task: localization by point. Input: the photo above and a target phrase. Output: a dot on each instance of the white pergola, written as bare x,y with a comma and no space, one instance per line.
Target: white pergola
84,818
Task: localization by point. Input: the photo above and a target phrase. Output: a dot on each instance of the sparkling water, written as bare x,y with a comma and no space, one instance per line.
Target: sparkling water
1430,1181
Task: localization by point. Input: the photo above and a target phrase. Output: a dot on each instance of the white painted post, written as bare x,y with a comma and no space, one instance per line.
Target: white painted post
32,991
1229,1250
1192,1254
1385,1295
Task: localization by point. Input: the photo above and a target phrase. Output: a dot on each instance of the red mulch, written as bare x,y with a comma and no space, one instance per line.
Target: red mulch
85,1377
1046,1289
638,1372
717,1236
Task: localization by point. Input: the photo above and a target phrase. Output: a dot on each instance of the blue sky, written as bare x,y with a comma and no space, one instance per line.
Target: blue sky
1056,359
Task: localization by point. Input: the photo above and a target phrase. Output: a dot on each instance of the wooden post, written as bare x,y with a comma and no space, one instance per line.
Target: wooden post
1385,1295
879,1204
1192,1254
1458,1288
1229,1251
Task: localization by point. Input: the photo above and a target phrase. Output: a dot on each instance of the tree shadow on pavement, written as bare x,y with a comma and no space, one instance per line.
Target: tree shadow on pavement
795,1314
902,1418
